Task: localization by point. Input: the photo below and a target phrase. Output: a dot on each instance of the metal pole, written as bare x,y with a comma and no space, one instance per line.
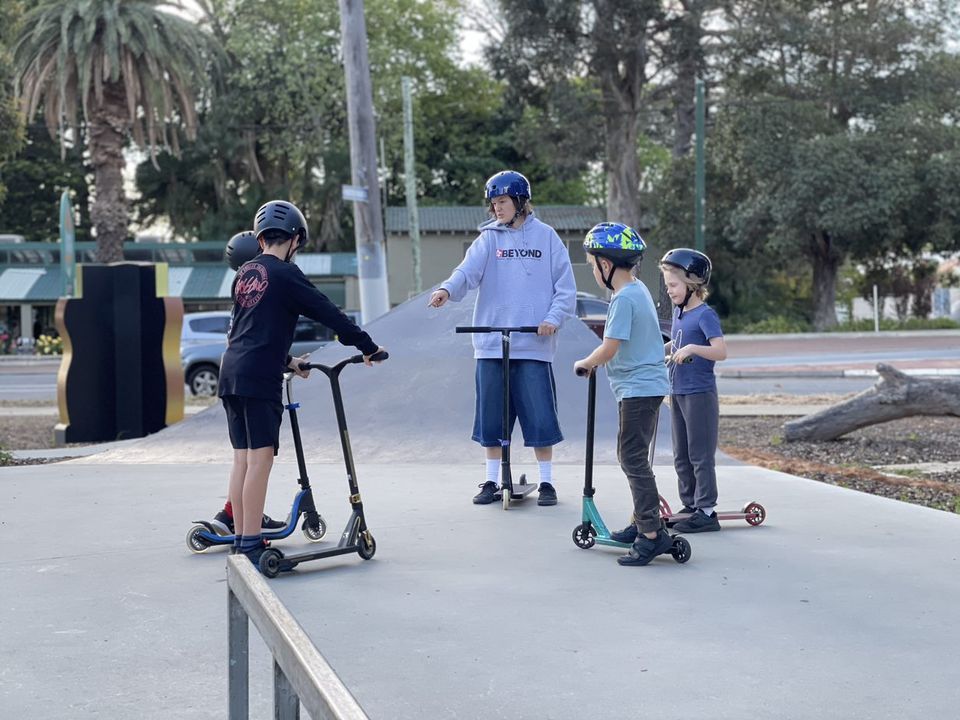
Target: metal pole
367,214
700,200
286,704
410,173
876,310
238,642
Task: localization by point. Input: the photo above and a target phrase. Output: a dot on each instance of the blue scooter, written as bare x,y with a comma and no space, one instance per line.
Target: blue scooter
204,534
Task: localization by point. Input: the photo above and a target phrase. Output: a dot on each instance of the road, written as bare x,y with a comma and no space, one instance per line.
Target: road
781,356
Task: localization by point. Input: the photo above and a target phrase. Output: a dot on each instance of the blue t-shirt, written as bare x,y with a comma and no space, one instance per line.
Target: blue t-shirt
696,327
637,370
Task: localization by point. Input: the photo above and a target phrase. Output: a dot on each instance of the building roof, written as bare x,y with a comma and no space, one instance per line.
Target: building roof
466,218
30,272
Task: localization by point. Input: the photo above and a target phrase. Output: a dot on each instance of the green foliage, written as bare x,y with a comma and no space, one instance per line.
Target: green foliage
913,323
777,325
6,458
35,179
11,124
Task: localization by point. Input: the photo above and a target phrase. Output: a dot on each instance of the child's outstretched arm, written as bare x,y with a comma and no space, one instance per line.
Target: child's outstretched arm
601,356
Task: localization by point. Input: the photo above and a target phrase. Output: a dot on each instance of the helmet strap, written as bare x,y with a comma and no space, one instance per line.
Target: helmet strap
294,246
686,299
517,211
608,278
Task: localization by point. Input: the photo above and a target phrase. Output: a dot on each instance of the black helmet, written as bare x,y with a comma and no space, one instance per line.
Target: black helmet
241,248
695,265
281,215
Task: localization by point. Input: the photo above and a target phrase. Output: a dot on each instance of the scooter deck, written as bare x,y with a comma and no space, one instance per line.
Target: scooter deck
518,492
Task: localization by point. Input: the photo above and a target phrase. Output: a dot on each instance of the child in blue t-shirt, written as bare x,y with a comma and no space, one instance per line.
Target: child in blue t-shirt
695,347
632,350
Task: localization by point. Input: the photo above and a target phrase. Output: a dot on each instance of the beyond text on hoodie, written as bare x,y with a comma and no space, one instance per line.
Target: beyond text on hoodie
524,278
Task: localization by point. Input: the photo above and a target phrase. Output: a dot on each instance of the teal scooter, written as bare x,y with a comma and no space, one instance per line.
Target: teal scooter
592,530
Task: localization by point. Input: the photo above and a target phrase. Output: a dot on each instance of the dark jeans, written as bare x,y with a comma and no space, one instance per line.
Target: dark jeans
638,418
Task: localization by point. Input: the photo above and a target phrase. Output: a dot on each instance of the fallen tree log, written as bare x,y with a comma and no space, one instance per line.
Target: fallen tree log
896,395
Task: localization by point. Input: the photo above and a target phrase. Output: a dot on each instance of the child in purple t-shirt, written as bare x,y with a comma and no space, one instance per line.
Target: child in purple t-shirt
695,346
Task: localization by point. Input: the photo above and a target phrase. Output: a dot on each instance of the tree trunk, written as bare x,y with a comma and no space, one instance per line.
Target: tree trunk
826,263
896,395
106,137
690,62
623,166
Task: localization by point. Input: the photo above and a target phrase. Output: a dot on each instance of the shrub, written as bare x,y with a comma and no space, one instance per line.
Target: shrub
48,345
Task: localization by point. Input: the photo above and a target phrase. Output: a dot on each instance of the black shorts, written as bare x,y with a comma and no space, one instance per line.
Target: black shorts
252,422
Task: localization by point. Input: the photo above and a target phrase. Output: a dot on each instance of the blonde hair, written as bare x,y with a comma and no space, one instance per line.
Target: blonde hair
699,288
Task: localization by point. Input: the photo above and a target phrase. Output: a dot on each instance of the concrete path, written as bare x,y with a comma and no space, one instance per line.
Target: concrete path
841,605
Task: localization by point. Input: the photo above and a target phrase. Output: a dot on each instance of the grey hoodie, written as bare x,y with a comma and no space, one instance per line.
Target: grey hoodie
525,278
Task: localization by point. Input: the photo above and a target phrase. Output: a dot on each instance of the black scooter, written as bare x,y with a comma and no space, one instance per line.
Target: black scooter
356,536
508,491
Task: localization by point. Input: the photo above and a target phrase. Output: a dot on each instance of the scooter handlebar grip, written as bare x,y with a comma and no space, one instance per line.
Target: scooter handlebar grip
378,356
583,372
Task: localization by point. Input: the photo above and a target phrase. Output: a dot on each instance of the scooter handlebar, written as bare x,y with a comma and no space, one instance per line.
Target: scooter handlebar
584,372
487,329
354,360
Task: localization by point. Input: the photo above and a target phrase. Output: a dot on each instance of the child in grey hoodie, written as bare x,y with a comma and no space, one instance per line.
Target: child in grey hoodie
524,276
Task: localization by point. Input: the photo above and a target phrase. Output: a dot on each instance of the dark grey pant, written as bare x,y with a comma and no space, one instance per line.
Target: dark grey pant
695,419
637,424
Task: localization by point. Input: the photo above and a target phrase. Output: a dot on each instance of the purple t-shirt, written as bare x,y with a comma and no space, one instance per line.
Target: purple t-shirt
696,327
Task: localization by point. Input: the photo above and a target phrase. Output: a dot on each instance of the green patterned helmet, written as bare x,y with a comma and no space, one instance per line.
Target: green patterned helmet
616,242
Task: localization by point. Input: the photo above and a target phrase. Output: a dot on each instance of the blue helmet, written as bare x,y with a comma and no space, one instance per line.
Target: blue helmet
618,243
507,182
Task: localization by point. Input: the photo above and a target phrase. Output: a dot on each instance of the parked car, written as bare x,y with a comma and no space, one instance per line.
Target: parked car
205,327
201,358
593,311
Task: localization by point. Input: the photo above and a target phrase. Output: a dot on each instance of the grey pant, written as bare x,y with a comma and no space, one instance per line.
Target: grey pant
637,424
695,419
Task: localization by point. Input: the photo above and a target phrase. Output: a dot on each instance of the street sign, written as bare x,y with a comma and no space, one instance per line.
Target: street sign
355,193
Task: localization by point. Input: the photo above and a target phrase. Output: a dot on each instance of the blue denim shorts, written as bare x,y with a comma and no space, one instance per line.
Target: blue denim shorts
533,399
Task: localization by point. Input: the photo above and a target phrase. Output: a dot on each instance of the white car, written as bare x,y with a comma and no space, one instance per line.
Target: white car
200,355
204,327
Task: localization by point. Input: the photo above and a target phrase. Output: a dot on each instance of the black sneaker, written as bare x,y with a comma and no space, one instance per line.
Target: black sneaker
268,523
627,536
223,523
686,510
644,549
487,494
547,494
698,522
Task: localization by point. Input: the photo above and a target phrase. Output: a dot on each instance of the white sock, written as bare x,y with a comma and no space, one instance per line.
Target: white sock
546,471
493,470
707,511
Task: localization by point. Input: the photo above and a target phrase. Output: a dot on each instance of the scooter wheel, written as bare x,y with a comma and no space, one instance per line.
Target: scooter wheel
195,543
505,495
270,562
584,536
314,534
681,549
367,545
755,514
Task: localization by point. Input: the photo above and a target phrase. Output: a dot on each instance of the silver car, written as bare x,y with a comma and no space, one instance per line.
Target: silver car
201,360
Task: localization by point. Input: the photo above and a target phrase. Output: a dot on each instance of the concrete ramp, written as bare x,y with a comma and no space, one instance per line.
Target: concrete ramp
416,407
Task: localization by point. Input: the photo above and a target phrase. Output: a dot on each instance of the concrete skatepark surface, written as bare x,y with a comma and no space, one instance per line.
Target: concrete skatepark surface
840,605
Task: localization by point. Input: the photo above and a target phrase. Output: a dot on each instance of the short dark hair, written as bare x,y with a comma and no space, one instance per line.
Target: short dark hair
274,237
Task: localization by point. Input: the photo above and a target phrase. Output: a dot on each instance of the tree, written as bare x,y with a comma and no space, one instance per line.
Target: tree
126,66
11,125
840,120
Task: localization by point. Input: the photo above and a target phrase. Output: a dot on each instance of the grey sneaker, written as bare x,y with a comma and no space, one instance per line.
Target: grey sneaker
698,522
487,494
644,549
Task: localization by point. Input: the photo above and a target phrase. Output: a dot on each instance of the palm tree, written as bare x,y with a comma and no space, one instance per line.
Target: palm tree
130,68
